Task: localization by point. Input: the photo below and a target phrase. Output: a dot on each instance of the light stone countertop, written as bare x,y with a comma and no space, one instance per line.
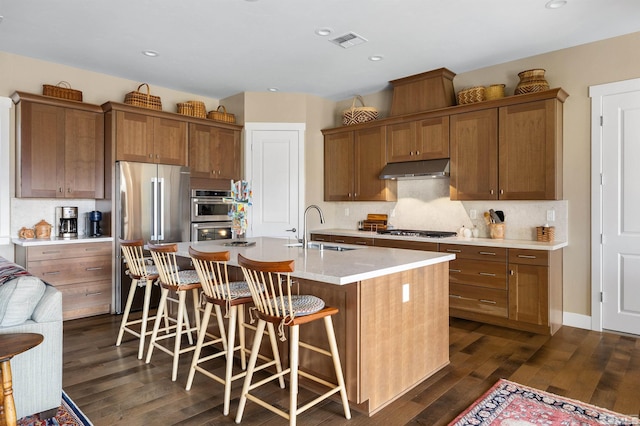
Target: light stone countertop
334,267
57,241
488,242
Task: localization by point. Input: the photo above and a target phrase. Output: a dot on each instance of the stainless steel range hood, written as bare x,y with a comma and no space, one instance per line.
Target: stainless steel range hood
426,169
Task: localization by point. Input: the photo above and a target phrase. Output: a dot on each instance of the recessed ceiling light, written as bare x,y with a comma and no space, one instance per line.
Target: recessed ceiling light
272,89
1,18
323,31
555,4
150,53
376,58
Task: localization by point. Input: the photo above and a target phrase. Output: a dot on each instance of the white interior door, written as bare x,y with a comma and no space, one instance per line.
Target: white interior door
620,210
275,167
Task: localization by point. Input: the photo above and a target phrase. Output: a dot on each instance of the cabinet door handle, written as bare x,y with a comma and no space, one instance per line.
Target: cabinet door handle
454,250
487,274
60,189
51,273
493,302
95,268
455,270
502,191
150,155
491,192
456,296
526,256
512,272
487,253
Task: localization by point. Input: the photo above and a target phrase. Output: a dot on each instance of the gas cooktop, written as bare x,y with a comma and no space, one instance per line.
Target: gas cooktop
418,233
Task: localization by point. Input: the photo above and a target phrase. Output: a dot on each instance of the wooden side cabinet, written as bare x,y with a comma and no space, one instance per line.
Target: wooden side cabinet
82,272
424,139
352,164
214,152
60,147
535,288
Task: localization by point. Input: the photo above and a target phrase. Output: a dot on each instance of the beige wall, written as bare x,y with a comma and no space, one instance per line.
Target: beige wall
573,69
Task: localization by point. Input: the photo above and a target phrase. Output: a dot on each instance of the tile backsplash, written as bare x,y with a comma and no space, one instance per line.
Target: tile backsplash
425,204
29,211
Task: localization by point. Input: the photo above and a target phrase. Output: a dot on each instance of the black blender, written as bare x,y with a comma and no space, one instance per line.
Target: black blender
94,223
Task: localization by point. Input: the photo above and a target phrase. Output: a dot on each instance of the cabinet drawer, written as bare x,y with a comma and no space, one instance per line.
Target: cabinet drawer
411,245
62,251
478,299
352,240
322,237
83,299
476,252
529,257
82,269
478,273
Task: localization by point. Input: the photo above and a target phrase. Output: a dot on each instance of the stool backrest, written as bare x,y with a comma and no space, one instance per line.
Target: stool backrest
270,284
133,251
212,271
164,257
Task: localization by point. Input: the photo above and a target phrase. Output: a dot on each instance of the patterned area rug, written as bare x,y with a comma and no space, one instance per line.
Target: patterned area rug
68,415
511,404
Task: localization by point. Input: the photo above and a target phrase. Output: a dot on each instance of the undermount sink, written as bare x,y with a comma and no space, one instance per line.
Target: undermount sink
322,246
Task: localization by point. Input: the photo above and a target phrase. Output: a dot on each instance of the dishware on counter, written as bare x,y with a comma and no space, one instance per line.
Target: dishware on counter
26,233
497,230
43,229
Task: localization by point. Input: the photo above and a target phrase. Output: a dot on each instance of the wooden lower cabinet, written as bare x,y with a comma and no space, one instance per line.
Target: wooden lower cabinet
82,272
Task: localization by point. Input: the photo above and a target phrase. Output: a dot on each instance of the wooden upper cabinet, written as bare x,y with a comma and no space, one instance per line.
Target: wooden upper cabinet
60,148
352,164
339,167
530,151
474,155
424,139
148,139
214,152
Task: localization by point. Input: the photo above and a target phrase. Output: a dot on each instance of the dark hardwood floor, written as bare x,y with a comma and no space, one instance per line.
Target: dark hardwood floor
112,387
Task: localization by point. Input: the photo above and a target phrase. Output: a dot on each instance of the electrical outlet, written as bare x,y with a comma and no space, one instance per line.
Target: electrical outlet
551,215
405,293
473,214
346,212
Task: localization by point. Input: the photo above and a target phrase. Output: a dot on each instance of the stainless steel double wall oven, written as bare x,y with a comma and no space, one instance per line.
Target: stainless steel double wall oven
210,218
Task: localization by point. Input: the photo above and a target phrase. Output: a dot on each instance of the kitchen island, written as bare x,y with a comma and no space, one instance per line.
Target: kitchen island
393,326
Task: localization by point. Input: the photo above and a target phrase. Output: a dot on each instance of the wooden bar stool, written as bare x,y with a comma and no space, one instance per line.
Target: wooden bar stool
270,285
142,276
219,293
171,278
10,346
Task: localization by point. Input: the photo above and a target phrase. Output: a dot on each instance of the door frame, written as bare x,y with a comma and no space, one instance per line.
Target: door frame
596,93
248,130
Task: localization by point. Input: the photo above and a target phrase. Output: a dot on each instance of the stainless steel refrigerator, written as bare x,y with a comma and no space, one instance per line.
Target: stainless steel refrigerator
151,203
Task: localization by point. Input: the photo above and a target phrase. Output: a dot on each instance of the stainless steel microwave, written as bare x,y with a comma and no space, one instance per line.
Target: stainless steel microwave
210,206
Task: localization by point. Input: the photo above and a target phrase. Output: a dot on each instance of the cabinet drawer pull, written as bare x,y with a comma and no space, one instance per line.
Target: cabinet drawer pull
493,302
526,256
487,274
95,268
51,252
339,241
455,270
97,293
457,296
51,273
454,250
487,253
362,243
92,249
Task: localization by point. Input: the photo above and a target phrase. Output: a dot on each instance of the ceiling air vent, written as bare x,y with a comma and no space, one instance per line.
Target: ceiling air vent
349,40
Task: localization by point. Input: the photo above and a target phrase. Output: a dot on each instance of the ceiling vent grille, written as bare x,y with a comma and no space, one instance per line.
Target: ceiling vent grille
348,40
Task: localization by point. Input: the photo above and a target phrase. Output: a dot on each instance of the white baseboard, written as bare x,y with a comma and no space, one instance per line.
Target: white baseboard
576,320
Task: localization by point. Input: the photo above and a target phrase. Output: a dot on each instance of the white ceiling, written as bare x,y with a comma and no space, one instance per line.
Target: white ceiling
219,48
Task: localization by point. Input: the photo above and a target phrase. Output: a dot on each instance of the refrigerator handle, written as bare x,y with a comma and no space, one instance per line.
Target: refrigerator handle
161,209
154,209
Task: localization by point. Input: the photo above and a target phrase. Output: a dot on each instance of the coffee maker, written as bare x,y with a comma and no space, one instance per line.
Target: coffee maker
94,224
67,222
